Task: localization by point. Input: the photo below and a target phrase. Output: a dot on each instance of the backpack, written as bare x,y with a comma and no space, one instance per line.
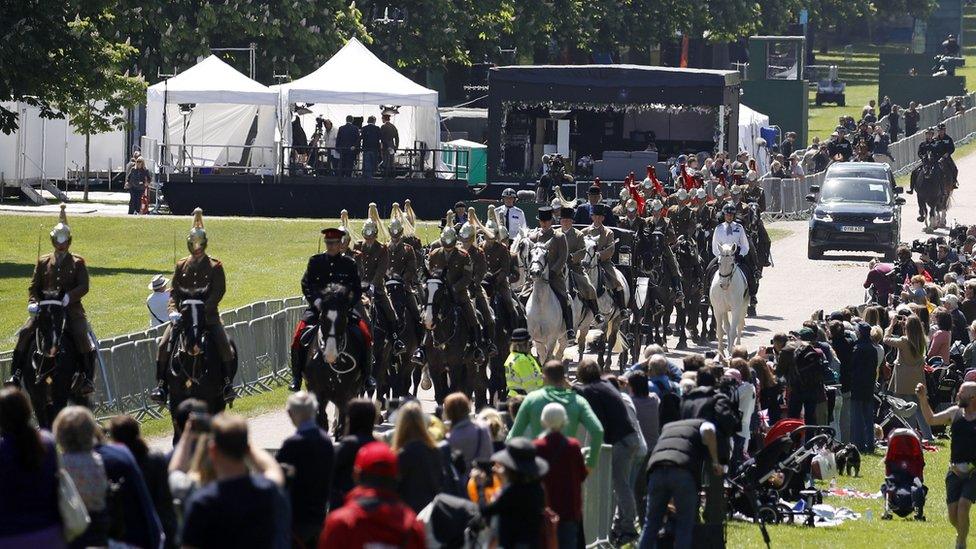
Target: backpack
670,407
452,471
810,367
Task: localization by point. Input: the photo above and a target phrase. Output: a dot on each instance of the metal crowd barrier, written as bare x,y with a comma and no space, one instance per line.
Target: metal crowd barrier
786,198
598,499
261,331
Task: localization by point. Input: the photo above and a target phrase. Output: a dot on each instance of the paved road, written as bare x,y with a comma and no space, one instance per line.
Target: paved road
790,291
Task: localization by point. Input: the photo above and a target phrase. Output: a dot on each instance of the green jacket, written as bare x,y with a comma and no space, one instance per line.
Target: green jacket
528,421
522,374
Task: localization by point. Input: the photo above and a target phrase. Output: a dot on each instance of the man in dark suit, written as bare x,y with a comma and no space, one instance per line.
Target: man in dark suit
347,140
309,452
371,147
584,212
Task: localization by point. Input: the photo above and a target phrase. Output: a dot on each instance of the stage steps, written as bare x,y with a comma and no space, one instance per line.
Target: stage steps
53,189
28,190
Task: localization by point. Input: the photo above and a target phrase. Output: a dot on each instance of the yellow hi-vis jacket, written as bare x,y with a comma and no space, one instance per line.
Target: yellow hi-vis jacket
522,374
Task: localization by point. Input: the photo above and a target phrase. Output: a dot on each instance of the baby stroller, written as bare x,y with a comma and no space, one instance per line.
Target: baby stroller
891,412
453,522
780,470
903,489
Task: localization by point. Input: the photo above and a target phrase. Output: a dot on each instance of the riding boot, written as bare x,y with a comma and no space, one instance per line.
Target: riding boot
297,365
595,308
568,319
369,382
394,327
160,394
618,299
228,389
82,384
16,375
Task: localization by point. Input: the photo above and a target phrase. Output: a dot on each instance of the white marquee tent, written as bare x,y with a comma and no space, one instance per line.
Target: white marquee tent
355,82
750,124
225,104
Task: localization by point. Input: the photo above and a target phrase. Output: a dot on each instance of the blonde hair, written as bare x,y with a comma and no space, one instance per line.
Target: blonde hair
75,429
915,333
411,425
495,423
877,335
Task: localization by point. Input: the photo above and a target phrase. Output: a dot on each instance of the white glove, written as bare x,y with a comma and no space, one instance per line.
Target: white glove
32,308
174,316
65,300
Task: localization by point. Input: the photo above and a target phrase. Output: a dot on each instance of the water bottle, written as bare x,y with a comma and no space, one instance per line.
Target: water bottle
833,484
869,515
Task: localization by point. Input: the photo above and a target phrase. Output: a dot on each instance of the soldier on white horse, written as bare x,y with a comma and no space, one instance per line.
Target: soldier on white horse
729,289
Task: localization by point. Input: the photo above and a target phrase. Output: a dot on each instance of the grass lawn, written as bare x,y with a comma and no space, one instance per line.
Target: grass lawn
250,406
263,259
935,532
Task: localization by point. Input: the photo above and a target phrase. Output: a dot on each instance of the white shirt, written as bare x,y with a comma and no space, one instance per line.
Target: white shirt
729,233
513,218
158,303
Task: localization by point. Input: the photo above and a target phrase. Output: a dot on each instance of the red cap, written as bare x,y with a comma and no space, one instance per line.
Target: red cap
376,459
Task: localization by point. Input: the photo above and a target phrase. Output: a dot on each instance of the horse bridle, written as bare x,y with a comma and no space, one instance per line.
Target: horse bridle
194,305
726,278
37,335
340,345
544,263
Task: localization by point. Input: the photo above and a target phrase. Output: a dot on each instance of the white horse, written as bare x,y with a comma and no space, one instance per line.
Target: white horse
520,249
729,296
583,316
543,316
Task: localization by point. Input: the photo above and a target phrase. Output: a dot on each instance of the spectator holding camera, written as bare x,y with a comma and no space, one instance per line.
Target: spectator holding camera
906,333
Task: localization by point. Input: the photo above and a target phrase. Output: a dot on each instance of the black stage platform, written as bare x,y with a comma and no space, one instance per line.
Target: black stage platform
305,196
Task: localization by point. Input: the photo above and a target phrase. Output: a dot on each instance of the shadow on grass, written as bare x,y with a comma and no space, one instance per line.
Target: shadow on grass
26,270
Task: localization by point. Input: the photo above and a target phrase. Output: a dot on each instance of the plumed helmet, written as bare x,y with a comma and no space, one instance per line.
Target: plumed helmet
349,237
408,213
61,233
467,232
719,190
501,231
736,190
682,194
700,193
624,194
370,230
555,204
373,216
196,241
631,205
448,237
647,183
656,205
396,228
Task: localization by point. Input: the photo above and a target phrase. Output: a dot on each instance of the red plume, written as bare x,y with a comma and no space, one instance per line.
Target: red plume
635,193
689,181
652,175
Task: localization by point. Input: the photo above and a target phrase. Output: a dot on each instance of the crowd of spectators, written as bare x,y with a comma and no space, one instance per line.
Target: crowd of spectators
675,428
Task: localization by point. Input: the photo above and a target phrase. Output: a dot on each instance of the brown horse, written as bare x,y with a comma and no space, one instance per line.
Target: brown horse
452,365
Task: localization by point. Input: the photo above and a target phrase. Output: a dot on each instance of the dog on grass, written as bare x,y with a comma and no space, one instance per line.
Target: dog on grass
848,459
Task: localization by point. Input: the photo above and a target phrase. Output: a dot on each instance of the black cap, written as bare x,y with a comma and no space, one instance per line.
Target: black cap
459,204
544,214
520,335
600,209
594,190
566,213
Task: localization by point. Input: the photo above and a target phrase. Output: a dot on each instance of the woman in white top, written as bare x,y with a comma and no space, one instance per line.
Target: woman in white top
739,371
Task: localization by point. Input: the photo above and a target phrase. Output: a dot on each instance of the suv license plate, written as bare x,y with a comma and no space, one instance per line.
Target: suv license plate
852,229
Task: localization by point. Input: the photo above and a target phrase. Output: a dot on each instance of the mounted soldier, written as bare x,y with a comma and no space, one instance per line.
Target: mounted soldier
927,153
557,256
944,147
576,250
479,268
64,276
630,220
753,193
681,216
732,232
453,265
374,263
606,242
410,233
195,275
500,264
403,266
658,221
330,267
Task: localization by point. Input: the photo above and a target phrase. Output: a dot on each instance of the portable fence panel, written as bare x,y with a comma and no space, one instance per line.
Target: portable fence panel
123,361
598,499
258,310
106,385
229,317
263,341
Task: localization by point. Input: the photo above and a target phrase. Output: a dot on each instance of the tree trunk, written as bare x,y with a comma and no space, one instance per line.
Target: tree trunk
87,151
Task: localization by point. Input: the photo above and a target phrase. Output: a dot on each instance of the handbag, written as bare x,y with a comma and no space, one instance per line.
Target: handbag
74,516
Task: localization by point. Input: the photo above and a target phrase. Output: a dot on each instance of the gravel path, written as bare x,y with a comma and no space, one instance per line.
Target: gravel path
789,293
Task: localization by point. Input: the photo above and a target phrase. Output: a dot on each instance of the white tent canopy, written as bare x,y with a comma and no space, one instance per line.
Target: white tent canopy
225,104
355,82
750,124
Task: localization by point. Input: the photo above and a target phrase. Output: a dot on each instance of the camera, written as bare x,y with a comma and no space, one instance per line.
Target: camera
200,422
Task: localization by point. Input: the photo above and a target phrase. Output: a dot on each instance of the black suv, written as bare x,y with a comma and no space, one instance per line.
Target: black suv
855,214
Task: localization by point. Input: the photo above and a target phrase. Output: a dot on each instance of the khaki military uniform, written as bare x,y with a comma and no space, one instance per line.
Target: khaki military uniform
500,262
479,268
374,262
662,224
556,260
605,244
636,224
682,219
56,275
192,275
453,265
403,265
577,251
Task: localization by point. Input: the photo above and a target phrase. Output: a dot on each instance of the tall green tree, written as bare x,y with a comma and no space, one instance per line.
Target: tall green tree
48,54
102,105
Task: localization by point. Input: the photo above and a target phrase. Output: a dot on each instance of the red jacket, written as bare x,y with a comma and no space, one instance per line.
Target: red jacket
372,516
567,471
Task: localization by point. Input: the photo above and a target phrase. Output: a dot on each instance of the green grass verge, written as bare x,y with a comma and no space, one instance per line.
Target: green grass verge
248,406
263,259
935,532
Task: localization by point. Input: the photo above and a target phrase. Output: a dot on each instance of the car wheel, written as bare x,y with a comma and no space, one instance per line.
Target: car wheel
814,252
842,103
